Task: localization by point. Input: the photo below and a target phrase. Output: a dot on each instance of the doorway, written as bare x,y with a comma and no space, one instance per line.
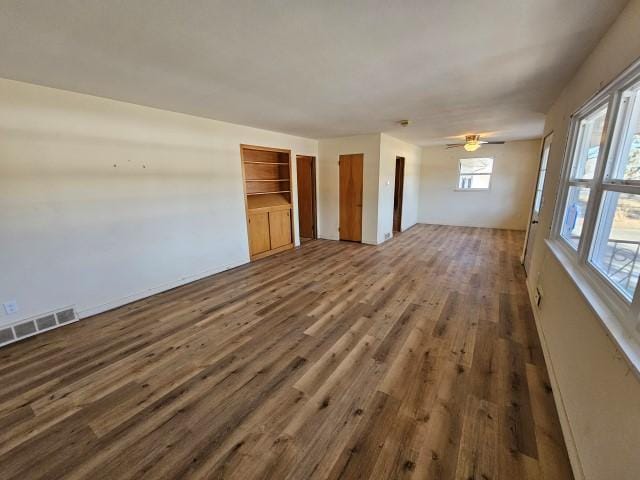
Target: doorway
398,194
538,200
306,169
351,197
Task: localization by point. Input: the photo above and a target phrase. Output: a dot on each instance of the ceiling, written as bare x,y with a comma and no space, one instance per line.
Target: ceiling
315,68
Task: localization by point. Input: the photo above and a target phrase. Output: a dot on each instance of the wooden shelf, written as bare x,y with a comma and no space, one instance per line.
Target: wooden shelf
268,193
265,163
268,201
268,180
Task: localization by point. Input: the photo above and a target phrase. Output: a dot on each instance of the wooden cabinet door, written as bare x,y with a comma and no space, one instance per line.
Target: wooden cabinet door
280,228
259,233
351,197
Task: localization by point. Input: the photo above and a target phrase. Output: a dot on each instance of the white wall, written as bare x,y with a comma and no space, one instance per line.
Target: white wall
390,148
597,394
505,205
102,202
328,184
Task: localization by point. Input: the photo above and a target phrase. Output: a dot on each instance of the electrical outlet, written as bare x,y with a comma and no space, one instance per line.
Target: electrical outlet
10,307
538,296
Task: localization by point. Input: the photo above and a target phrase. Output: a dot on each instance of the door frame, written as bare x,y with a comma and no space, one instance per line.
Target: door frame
400,161
314,196
525,248
340,159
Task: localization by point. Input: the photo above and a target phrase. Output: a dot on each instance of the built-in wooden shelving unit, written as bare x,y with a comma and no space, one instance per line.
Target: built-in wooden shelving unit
267,186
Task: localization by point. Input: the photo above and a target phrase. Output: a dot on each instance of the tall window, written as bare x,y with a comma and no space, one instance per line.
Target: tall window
614,250
542,173
475,173
598,220
585,157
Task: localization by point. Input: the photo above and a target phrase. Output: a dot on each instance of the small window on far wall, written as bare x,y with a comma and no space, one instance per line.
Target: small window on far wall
475,173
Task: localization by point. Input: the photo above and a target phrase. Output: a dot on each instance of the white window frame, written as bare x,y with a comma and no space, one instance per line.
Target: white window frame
620,316
460,174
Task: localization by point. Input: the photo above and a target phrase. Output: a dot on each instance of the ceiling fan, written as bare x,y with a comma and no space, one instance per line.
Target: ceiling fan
472,143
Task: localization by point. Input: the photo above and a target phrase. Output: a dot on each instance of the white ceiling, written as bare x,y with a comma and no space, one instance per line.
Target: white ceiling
315,68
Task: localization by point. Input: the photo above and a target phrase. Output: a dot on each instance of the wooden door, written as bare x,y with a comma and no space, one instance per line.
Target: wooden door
280,228
351,197
397,195
306,196
259,233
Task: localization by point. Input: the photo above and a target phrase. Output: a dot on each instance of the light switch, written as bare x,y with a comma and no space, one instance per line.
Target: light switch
10,307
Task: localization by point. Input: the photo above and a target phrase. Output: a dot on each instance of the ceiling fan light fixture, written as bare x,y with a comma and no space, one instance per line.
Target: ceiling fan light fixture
472,143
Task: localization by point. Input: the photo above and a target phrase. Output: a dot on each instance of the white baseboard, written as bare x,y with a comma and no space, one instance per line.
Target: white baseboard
119,302
565,425
328,237
518,228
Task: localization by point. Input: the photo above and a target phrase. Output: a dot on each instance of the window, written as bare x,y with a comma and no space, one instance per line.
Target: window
583,167
475,173
575,210
542,173
597,222
616,243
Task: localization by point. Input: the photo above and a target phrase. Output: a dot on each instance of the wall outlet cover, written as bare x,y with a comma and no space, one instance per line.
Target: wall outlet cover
538,296
10,307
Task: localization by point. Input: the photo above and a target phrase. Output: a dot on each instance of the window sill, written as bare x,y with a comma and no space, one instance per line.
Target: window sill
625,341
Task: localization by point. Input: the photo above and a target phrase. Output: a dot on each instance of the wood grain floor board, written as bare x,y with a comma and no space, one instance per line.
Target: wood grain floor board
414,359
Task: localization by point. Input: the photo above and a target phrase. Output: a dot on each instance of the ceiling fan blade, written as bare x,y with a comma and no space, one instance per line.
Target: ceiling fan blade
494,143
455,145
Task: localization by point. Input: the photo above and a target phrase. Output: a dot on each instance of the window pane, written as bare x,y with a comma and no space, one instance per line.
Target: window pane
476,165
472,182
574,215
587,148
545,152
627,151
537,203
617,241
480,181
541,178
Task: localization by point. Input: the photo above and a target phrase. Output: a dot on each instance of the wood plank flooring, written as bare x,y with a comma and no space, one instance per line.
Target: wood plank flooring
416,359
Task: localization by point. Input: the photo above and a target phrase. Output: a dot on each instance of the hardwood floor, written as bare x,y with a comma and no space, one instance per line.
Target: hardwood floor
415,359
